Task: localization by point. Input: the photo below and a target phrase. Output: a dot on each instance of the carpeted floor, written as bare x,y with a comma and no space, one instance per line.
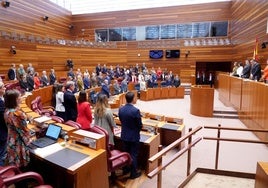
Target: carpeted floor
233,156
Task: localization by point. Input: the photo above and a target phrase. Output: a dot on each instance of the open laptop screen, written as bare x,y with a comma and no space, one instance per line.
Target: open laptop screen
53,131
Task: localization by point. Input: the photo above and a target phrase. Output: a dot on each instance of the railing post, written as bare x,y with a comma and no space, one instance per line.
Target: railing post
189,154
217,148
159,176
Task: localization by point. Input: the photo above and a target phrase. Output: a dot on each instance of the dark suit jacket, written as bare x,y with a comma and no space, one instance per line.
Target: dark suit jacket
52,79
246,71
130,118
11,74
70,105
256,71
44,81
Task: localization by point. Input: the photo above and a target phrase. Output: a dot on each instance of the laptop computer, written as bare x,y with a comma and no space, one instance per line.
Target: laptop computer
51,136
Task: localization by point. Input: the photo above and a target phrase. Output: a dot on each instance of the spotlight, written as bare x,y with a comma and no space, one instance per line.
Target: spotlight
71,27
13,50
45,18
6,4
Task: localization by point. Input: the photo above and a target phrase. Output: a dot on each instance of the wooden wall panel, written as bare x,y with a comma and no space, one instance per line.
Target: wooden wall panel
249,21
25,16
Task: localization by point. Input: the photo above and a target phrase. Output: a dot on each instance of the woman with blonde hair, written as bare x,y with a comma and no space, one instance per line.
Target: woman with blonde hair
103,116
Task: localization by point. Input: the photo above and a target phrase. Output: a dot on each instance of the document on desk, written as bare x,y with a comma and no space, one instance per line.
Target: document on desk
144,137
62,156
67,158
170,126
43,152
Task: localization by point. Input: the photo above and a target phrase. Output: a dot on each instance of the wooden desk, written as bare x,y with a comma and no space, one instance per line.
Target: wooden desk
164,93
172,92
157,93
71,166
148,123
169,132
180,92
148,147
66,128
33,114
261,175
202,101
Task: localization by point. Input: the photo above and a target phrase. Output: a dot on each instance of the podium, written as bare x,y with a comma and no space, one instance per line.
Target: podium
202,100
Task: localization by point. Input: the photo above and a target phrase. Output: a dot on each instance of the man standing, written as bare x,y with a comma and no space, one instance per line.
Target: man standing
255,70
130,118
12,72
70,103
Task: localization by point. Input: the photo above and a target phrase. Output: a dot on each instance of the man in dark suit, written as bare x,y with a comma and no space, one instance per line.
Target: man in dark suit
255,70
12,72
105,88
130,118
44,79
70,103
52,77
246,70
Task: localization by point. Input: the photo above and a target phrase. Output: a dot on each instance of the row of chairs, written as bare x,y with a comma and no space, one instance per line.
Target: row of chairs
115,158
37,106
10,175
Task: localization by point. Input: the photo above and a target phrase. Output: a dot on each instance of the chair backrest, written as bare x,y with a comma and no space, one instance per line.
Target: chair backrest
73,124
115,158
39,102
34,106
57,119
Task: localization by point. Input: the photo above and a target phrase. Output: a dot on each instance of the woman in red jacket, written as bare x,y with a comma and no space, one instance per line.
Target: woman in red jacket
84,117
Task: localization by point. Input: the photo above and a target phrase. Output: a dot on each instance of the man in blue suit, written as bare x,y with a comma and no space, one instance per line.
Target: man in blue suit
105,88
130,118
70,103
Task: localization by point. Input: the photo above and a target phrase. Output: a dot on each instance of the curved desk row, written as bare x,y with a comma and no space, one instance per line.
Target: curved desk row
162,93
66,165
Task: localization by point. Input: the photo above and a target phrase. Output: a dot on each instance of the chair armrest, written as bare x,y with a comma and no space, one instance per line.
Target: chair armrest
49,107
22,176
48,112
122,154
6,169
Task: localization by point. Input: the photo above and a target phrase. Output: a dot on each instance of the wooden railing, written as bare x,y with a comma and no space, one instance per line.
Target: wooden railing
161,166
218,138
159,155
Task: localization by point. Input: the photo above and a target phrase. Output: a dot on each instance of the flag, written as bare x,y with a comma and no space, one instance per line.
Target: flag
255,52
